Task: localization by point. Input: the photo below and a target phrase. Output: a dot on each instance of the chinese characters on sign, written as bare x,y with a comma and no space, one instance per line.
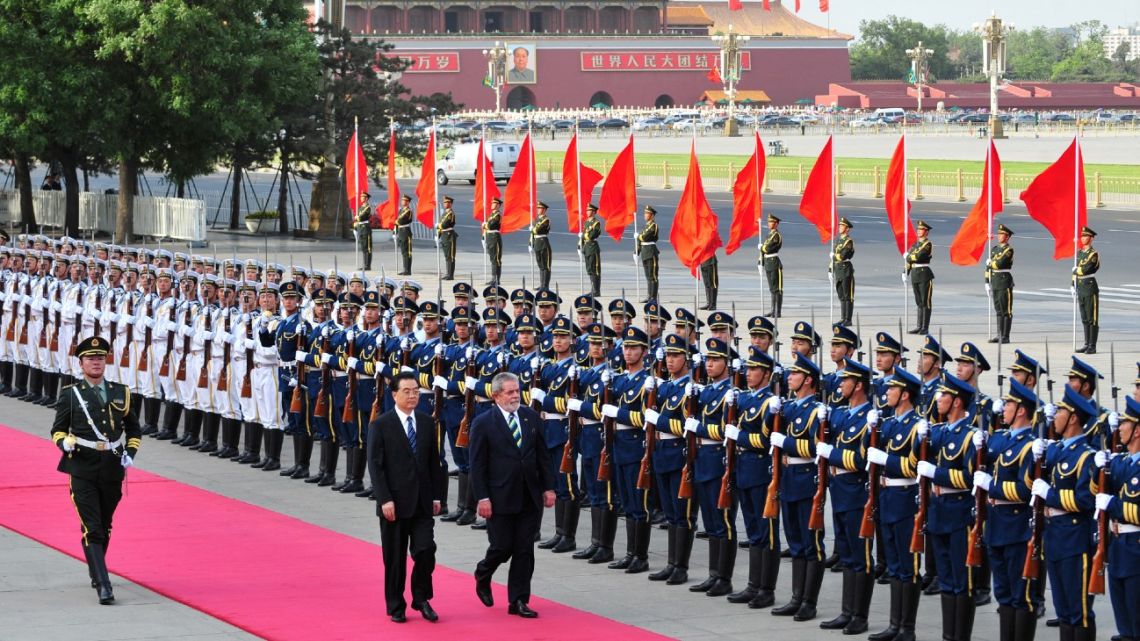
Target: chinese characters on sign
696,60
430,61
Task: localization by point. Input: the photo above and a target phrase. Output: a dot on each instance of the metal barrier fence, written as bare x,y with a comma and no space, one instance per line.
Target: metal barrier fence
174,218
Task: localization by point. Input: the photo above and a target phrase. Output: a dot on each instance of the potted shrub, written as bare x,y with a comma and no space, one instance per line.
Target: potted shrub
262,222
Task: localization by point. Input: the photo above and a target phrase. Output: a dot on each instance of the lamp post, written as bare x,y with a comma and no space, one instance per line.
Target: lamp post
994,33
497,71
919,68
730,67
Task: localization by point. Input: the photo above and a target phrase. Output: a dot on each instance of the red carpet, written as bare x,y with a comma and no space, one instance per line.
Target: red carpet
195,547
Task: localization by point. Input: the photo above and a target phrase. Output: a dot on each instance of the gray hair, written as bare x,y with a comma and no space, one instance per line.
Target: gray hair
500,379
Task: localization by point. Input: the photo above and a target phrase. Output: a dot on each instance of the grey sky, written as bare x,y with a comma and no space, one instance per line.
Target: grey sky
960,14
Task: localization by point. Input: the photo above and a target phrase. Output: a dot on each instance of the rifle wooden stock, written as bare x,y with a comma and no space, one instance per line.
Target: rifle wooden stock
44,323
605,463
208,350
223,376
247,379
322,407
975,548
27,312
437,394
574,426
54,343
867,525
918,533
148,335
377,402
98,309
78,323
1034,548
463,438
1096,576
645,471
685,490
819,501
164,368
297,403
125,358
724,498
349,413
772,500
181,373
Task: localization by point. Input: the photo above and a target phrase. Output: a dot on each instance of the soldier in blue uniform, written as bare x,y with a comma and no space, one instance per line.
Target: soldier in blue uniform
367,349
970,364
708,426
296,425
753,476
1070,500
1120,499
931,358
800,424
456,356
319,425
553,392
656,320
846,456
888,360
949,513
347,437
897,497
621,314
844,344
1083,379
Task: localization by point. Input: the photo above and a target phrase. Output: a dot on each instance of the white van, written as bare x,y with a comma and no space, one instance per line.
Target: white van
458,163
895,114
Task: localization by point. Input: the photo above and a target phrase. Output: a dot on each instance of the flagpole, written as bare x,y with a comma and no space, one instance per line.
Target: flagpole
1076,228
436,203
636,272
831,242
486,203
581,220
532,187
759,214
391,197
989,235
355,185
906,235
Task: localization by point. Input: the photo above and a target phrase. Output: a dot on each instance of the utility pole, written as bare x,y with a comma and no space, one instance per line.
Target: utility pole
730,68
919,69
994,33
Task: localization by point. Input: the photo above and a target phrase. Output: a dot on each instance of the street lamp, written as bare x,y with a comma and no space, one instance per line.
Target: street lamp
730,67
497,70
994,33
919,69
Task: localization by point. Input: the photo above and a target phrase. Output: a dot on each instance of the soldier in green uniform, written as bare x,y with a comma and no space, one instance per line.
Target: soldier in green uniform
921,276
647,250
588,246
1088,293
447,237
404,235
710,275
97,428
540,244
999,282
771,266
362,228
493,240
843,272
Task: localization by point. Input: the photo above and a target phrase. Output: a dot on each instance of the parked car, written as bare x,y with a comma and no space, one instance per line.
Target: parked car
689,125
459,162
1024,118
1063,118
648,124
780,121
613,123
867,122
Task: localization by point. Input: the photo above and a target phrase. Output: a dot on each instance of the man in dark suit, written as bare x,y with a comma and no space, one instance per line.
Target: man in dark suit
409,483
512,481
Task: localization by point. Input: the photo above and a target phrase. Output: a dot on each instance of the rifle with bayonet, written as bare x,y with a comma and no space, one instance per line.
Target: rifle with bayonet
645,472
685,490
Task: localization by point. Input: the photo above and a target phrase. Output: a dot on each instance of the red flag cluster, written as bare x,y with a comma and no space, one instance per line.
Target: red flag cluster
747,199
618,203
897,204
818,202
1056,198
485,187
427,193
694,235
578,182
521,196
355,172
390,208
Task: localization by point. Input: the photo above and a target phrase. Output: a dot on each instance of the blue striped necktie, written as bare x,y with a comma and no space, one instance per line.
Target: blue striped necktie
412,434
516,431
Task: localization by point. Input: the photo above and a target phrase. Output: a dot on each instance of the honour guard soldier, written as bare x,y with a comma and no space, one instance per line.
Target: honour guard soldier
289,335
447,237
348,434
931,358
842,272
362,227
540,244
1083,379
918,259
367,349
589,250
844,343
319,425
553,394
647,250
1088,293
456,357
771,267
970,365
710,275
493,240
404,235
258,348
96,427
1120,500
888,360
999,283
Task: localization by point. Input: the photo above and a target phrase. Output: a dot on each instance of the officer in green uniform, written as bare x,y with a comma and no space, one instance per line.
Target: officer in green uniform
540,244
999,282
647,250
97,428
921,276
711,278
771,266
445,231
843,272
362,227
588,246
493,239
1088,293
404,235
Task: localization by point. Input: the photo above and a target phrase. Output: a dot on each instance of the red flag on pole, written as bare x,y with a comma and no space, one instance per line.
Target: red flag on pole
746,199
767,5
824,5
972,236
897,204
714,76
578,182
694,234
1056,198
355,172
618,203
818,202
797,6
485,187
519,202
735,5
390,208
426,191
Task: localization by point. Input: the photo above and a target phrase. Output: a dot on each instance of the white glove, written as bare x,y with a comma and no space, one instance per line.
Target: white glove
760,268
226,313
326,358
873,418
1041,488
573,405
1101,458
579,251
470,352
437,241
736,364
1050,410
127,461
982,480
146,322
760,245
405,368
651,417
650,383
535,363
730,398
326,332
926,468
979,439
691,425
606,376
903,277
440,382
877,456
660,353
529,249
438,349
225,337
1102,502
292,382
988,290
249,343
823,450
130,320
732,432
937,396
352,361
1113,421
1073,291
634,256
207,336
56,306
484,243
776,404
922,428
778,439
830,277
471,382
349,335
537,395
503,358
609,411
823,411
301,356
572,372
67,445
405,344
698,358
777,371
1038,448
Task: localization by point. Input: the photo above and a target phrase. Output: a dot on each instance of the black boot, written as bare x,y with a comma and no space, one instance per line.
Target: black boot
211,426
605,552
680,574
799,575
726,567
151,409
194,419
5,377
99,566
19,382
812,582
246,455
630,542
349,457
296,438
274,439
755,574
1007,329
848,604
569,528
641,532
1080,350
769,573
324,461
302,471
1066,632
595,536
330,467
964,609
231,432
170,418
1094,332
559,516
714,567
909,608
1006,623
90,568
1024,625
35,384
256,435
1087,633
896,614
354,471
460,500
864,589
671,557
49,393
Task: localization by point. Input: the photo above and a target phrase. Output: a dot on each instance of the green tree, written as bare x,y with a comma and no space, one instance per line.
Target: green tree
880,52
1031,54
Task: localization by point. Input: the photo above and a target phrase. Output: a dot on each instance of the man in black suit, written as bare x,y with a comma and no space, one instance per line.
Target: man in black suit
512,481
409,483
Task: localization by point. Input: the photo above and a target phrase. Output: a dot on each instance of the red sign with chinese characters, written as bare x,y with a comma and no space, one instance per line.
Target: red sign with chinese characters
657,60
430,62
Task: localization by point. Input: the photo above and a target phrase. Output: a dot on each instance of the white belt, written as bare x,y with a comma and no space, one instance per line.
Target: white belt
586,421
1005,502
889,482
920,265
339,374
554,416
101,446
795,460
711,441
265,365
403,226
1000,271
492,231
1124,528
622,427
939,491
1086,277
644,243
1052,512
667,437
541,235
767,256
430,390
837,471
